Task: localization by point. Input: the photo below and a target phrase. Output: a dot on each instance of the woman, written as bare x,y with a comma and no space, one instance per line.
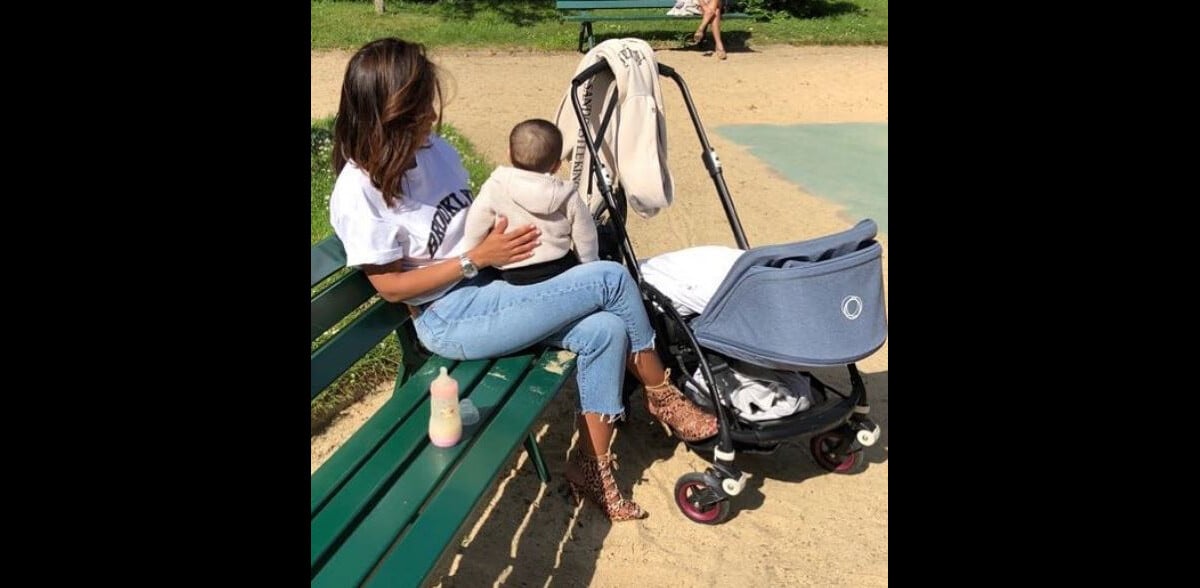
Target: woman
712,14
399,207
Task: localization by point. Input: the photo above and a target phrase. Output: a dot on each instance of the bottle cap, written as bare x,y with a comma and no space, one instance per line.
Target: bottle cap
468,412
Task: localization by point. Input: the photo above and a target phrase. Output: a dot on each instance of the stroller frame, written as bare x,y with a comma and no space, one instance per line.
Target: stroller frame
837,422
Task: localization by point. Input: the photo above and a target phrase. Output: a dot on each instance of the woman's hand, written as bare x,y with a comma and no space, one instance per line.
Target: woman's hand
500,248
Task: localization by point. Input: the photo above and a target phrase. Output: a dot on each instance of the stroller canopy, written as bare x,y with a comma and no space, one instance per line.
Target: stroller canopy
810,303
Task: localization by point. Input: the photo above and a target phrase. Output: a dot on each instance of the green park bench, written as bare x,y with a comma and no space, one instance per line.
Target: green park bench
388,503
614,10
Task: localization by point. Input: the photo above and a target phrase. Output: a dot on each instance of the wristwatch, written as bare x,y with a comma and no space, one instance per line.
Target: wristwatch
468,267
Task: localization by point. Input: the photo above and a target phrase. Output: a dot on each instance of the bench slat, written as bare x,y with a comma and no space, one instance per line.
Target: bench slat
620,4
360,551
336,301
352,343
354,451
326,257
589,17
419,550
412,436
598,4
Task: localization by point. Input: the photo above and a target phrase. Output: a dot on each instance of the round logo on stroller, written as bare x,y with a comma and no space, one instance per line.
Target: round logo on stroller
852,306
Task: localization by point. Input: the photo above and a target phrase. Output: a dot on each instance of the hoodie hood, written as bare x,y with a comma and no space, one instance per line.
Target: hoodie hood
535,192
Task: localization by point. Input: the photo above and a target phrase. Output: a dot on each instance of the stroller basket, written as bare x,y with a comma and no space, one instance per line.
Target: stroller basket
811,303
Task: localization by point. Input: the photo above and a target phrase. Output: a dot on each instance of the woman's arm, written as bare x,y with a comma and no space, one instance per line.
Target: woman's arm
498,248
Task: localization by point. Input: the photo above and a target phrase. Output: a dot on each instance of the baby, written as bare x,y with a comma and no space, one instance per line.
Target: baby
529,193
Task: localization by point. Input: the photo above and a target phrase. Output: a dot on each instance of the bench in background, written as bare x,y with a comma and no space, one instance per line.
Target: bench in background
614,10
386,506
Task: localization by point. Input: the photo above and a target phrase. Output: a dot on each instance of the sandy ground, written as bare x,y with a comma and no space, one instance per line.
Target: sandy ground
795,524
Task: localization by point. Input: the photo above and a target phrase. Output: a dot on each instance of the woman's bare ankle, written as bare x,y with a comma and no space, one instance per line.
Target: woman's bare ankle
647,367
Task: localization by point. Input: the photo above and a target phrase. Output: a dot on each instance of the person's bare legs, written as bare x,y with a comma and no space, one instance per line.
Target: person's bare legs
709,13
589,472
647,367
595,434
666,403
716,31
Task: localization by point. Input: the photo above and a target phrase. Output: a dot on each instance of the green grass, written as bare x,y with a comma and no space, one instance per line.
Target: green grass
535,24
380,365
321,178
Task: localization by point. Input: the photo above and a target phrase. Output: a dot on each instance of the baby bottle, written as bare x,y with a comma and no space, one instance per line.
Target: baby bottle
445,425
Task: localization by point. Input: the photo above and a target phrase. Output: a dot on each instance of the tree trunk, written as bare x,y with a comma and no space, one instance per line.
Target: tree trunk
378,6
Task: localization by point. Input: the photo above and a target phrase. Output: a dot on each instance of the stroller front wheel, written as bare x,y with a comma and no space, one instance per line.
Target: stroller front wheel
699,501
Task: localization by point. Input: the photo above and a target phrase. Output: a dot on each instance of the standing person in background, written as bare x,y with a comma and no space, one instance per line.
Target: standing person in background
712,15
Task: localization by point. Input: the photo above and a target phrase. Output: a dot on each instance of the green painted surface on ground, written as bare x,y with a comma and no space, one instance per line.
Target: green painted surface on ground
843,162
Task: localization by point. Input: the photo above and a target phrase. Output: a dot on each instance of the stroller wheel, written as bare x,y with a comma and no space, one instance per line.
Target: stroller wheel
695,499
825,452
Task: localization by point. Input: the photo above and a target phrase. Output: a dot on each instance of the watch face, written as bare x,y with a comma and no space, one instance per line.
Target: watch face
468,268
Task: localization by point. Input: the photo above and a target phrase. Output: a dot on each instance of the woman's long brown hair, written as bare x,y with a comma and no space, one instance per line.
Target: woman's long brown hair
386,112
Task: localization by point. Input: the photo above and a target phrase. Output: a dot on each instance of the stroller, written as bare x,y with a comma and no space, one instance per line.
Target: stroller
782,307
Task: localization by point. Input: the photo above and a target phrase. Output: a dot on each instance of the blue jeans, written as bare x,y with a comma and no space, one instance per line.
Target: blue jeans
593,309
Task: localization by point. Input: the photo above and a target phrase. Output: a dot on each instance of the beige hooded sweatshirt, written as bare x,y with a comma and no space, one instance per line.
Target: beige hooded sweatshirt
634,150
547,202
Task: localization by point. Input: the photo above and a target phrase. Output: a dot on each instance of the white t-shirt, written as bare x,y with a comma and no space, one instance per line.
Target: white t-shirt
426,224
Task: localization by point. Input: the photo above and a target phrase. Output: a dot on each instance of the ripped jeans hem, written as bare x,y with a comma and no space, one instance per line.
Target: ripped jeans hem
606,418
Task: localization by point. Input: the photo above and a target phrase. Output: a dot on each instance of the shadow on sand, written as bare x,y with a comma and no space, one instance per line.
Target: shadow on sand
534,529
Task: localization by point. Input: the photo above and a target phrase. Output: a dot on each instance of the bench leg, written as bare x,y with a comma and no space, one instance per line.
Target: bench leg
535,455
585,35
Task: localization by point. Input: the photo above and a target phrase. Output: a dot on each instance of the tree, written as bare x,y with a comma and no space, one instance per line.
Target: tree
378,6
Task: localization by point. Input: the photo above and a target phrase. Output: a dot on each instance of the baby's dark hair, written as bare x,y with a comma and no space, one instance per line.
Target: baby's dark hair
535,145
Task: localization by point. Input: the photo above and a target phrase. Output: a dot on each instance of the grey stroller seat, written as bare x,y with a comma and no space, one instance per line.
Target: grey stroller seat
796,305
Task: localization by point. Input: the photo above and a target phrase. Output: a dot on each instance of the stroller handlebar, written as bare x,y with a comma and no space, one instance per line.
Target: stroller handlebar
708,154
595,68
586,74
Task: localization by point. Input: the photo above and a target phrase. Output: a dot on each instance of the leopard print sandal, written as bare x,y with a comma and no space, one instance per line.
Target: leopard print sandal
591,476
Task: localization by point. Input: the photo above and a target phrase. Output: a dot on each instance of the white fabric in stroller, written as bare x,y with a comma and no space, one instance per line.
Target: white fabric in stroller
685,8
763,394
689,277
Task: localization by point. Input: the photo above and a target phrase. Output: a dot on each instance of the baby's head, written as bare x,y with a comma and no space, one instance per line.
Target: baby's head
535,145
